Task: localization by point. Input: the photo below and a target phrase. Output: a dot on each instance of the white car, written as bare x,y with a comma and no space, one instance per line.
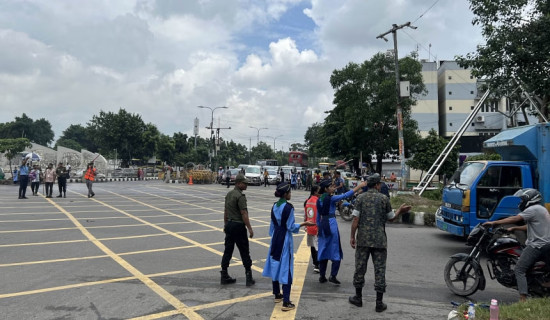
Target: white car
254,175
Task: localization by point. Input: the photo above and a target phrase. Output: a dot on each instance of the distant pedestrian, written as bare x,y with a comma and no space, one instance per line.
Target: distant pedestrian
282,173
279,265
23,179
35,177
236,223
372,210
89,176
227,176
266,177
49,179
61,173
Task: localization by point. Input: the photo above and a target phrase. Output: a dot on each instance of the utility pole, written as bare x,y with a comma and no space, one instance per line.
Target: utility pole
399,111
212,130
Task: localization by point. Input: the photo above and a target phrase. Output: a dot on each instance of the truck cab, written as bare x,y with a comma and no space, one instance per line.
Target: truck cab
482,191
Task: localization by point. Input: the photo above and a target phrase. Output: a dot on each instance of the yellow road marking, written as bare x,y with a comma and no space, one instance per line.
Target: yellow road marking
199,222
301,261
93,283
176,303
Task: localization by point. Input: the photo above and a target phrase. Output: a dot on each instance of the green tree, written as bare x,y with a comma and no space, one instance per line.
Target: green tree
122,131
314,137
365,99
39,131
261,151
166,149
181,144
76,136
428,150
69,143
12,147
517,43
151,138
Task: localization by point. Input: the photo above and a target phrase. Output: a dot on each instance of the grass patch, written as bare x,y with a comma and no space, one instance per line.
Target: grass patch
419,204
532,309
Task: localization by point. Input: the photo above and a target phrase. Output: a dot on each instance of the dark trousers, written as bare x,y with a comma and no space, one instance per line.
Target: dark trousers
314,256
35,186
23,183
227,181
286,288
265,181
528,257
49,188
335,267
62,185
235,234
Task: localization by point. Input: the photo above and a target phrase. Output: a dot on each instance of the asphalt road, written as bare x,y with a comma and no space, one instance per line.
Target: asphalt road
151,250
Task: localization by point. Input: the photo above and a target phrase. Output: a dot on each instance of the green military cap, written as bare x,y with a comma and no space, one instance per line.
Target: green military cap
241,178
373,179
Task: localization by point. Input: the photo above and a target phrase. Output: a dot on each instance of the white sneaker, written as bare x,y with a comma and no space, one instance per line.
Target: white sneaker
315,269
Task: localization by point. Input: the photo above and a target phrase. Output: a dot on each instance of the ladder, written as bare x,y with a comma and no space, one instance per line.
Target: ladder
423,184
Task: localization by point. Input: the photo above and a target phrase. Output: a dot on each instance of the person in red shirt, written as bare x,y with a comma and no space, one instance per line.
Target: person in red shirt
310,206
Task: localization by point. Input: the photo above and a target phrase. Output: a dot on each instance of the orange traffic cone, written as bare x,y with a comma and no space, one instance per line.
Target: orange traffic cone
190,180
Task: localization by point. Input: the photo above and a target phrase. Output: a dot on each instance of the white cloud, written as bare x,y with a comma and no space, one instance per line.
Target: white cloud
66,60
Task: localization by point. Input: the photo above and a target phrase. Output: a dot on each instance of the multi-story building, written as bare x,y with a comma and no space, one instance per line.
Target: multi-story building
458,94
425,112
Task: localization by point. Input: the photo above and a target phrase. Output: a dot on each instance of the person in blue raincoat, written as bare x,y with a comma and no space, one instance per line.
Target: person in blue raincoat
279,265
328,234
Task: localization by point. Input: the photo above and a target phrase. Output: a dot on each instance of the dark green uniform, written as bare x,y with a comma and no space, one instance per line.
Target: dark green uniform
235,229
373,208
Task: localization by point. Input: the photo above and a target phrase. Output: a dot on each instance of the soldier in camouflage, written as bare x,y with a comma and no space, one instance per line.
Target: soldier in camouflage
372,210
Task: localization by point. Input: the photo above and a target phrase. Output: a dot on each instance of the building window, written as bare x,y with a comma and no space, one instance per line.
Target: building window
450,124
450,93
473,124
450,77
471,107
451,108
471,92
471,77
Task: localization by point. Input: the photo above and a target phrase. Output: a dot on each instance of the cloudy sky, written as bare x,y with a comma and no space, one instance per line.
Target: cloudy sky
269,62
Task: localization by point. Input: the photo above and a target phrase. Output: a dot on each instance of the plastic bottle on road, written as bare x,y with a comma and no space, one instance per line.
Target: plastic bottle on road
493,310
471,311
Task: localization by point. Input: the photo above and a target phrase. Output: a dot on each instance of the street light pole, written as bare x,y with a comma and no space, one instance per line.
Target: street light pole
258,142
274,138
211,129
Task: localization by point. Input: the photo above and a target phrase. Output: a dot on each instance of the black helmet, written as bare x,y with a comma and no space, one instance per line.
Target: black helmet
528,198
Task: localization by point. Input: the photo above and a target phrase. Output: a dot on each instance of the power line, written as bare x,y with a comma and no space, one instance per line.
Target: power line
422,15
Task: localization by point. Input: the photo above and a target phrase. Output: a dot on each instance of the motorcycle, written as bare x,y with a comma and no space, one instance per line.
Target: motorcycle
347,207
464,274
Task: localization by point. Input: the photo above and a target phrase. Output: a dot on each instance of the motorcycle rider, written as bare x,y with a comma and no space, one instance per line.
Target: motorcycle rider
537,225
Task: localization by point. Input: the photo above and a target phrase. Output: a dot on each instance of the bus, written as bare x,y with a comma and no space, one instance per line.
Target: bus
297,159
267,163
326,166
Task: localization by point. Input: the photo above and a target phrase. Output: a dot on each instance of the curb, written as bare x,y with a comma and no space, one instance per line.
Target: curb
80,180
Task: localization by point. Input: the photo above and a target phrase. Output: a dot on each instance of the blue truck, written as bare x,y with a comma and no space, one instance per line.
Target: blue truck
483,190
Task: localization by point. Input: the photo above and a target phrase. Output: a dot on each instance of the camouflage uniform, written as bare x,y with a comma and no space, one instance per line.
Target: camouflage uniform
373,208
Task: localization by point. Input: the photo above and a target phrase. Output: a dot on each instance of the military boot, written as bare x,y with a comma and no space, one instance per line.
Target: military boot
249,280
380,306
357,299
225,278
